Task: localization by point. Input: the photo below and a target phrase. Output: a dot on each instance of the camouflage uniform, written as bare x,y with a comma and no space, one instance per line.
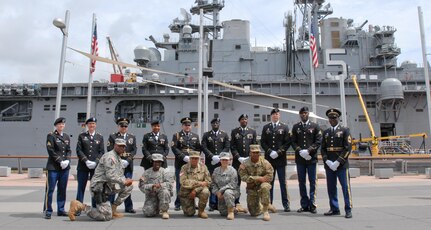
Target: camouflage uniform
257,193
225,182
108,176
189,179
159,199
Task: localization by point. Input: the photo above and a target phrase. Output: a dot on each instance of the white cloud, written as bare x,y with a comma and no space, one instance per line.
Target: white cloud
30,45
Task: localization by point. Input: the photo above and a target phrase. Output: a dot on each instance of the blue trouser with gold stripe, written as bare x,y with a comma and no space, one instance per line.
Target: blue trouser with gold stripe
53,178
331,180
302,170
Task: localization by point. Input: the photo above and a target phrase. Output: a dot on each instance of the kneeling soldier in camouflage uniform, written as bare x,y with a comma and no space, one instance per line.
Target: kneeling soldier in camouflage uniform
157,186
225,186
194,179
108,179
257,173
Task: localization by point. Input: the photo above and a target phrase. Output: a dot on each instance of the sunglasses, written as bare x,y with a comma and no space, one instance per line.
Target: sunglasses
124,126
188,125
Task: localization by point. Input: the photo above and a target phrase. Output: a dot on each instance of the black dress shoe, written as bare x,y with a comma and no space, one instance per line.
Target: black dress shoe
313,210
47,216
177,208
332,213
62,214
303,210
131,211
286,209
348,214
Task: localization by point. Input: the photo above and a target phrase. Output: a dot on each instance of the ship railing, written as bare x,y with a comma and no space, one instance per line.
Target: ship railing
403,163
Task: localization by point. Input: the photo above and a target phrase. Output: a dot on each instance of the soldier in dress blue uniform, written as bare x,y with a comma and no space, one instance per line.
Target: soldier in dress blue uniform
213,143
58,165
126,157
306,138
336,147
90,148
275,141
241,139
183,142
154,142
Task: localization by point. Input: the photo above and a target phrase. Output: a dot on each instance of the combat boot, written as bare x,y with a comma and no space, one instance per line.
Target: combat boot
202,214
266,216
239,208
75,207
230,214
165,215
115,213
272,208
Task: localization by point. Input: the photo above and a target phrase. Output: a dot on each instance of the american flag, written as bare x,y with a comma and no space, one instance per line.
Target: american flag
313,48
94,48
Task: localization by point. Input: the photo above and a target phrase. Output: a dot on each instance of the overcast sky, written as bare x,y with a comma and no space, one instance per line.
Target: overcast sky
30,45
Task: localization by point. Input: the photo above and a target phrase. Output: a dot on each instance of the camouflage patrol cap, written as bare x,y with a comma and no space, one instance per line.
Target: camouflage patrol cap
254,148
157,157
120,141
195,154
225,156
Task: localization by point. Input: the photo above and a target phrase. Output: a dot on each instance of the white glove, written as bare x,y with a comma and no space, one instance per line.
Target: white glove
215,160
302,153
64,164
186,159
90,164
335,165
124,164
273,154
329,163
307,157
242,159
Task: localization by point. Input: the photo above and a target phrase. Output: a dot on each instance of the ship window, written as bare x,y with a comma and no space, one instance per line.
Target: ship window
256,106
216,115
285,105
275,105
256,117
263,117
46,107
216,105
81,117
293,107
63,107
16,110
419,110
237,47
268,117
361,118
194,116
334,24
335,37
140,111
371,104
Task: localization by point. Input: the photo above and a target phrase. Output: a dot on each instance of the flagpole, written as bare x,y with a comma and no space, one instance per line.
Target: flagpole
90,77
312,78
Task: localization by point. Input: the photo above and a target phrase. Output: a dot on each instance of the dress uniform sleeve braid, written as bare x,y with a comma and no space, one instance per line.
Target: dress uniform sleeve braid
294,139
145,151
263,140
317,140
204,145
79,152
347,144
323,148
134,148
226,143
50,143
233,146
101,149
286,140
166,146
174,146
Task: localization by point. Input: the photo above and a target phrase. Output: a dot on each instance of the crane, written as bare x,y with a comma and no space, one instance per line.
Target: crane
374,140
114,57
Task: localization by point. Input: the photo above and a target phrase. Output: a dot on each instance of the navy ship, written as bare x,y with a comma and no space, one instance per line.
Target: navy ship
394,94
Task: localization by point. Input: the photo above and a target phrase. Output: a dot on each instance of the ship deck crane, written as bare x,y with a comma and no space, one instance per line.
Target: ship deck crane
374,140
114,57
